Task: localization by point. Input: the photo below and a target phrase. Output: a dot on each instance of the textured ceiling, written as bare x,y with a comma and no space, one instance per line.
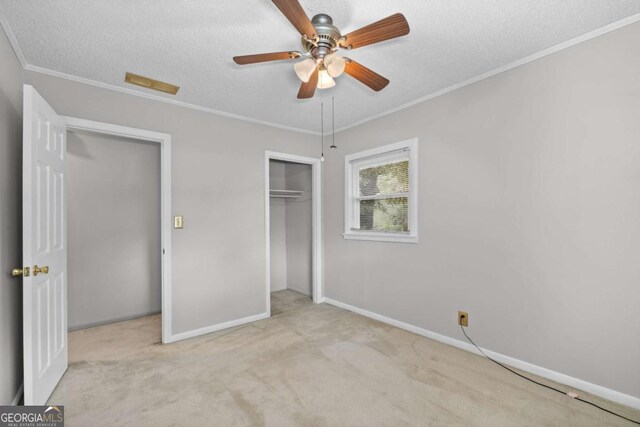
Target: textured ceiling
191,43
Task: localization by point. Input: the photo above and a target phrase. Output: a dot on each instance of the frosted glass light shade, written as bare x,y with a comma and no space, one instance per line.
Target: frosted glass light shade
334,64
305,69
324,80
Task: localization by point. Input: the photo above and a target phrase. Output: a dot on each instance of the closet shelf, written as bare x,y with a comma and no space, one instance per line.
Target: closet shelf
285,194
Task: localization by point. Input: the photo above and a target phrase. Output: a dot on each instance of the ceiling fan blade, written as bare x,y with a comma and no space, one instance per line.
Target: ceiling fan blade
388,28
265,57
297,16
359,72
309,88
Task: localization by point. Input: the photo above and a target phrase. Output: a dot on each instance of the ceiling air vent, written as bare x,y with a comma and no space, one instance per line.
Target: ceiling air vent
135,79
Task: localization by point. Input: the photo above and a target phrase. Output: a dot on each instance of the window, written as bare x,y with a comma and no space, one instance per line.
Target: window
381,193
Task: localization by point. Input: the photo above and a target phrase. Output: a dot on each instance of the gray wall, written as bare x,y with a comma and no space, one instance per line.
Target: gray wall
278,230
113,216
218,185
10,221
529,214
299,231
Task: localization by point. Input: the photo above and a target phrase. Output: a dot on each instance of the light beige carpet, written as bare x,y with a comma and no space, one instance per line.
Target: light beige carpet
308,365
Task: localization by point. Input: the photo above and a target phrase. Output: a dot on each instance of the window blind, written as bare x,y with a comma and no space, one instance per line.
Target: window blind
383,197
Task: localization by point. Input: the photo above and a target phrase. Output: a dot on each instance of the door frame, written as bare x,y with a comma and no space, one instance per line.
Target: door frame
316,221
164,140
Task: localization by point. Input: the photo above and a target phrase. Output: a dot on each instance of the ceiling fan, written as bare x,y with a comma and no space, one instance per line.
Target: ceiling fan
321,40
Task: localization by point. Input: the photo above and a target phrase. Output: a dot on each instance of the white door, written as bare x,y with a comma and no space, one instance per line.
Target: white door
44,248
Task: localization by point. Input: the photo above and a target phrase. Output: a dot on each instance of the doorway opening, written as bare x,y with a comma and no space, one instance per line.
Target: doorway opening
113,230
292,206
119,207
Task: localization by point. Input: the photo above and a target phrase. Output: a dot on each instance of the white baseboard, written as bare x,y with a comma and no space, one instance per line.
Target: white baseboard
116,320
606,393
18,396
215,328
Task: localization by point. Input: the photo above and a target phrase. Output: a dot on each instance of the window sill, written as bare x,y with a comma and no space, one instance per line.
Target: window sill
381,237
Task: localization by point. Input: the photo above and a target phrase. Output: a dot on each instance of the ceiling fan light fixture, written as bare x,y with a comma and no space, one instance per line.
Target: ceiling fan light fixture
325,81
305,69
319,64
334,64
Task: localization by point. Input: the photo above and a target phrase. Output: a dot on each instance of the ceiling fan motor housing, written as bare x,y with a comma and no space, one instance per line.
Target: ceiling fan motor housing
328,37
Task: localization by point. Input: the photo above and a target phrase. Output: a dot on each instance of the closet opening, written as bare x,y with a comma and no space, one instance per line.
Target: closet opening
114,233
293,218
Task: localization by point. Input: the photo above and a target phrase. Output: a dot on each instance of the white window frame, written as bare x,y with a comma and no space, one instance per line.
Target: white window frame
381,155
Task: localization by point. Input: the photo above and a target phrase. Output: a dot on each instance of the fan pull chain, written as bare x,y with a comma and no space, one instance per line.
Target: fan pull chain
322,130
333,124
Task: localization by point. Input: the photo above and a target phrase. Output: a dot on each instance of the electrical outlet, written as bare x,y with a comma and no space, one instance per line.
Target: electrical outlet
463,318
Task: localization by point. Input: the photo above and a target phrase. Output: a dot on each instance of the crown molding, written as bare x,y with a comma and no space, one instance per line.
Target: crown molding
546,52
89,82
527,59
13,41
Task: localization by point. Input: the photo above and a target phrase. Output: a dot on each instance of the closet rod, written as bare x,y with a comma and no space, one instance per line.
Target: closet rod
285,194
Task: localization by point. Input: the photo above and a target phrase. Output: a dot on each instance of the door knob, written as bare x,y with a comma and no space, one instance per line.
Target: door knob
20,272
37,270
